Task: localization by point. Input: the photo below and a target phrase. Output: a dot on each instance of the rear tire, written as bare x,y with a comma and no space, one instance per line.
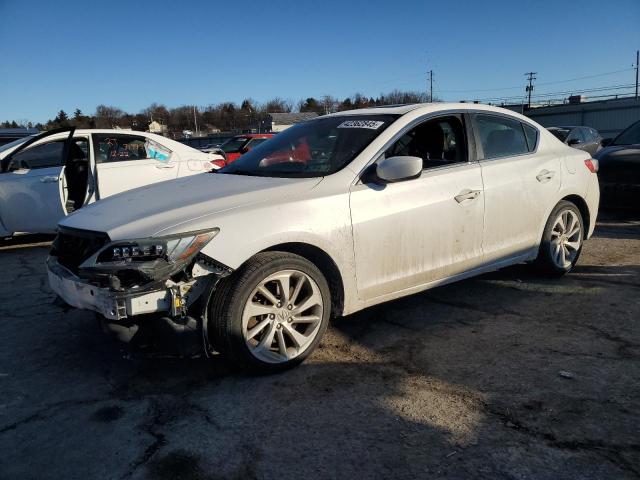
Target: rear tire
562,240
270,314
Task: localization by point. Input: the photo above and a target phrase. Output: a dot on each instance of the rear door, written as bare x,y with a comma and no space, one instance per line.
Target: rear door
520,185
31,185
127,161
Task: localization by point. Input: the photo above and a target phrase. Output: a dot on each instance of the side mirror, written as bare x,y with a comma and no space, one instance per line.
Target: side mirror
244,150
574,141
397,169
606,141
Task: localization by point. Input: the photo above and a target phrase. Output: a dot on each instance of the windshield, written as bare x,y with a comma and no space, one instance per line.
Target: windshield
312,149
560,133
233,144
630,136
15,143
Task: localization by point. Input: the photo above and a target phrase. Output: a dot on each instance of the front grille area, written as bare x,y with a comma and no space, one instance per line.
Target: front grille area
72,247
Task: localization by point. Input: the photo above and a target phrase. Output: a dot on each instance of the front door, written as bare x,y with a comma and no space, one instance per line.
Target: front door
415,232
31,187
126,161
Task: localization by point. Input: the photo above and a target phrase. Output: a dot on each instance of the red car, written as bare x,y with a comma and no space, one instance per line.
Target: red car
237,146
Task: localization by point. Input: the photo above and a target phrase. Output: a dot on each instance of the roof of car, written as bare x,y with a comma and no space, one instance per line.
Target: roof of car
166,141
426,108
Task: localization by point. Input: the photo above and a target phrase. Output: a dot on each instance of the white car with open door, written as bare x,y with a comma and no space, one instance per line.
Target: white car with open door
48,176
327,218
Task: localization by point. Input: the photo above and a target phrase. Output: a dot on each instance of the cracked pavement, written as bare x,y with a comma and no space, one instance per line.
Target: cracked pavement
460,381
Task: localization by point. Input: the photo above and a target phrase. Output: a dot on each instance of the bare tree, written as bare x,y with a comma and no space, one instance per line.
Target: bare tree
107,117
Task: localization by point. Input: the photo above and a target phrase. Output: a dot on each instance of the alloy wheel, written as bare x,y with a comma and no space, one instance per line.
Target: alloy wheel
566,238
282,316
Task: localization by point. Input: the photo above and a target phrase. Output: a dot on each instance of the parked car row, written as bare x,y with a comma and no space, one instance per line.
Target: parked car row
620,169
331,216
45,177
582,138
619,161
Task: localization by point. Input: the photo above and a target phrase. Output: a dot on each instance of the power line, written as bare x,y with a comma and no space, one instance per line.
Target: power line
564,92
585,77
497,89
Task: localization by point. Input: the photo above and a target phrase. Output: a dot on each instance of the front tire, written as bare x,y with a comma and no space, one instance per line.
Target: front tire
271,313
562,240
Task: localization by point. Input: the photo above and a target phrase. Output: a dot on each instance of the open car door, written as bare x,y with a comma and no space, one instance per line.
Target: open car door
31,184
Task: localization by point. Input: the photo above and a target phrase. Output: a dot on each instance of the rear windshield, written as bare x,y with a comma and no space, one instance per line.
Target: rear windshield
312,149
630,136
560,133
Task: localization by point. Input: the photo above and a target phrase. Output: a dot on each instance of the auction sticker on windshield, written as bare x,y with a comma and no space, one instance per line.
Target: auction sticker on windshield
371,124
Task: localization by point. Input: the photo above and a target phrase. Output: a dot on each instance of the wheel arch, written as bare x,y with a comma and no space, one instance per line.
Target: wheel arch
581,203
325,264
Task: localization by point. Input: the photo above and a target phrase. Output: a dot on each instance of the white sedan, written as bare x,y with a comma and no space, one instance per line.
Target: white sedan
331,216
45,177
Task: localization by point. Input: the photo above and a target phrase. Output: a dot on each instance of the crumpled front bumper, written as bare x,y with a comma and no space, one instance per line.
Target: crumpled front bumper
112,305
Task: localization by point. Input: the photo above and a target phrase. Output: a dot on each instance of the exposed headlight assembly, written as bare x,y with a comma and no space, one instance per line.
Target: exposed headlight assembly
173,249
134,263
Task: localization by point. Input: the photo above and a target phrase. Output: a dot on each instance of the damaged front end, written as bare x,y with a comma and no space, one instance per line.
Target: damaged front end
160,281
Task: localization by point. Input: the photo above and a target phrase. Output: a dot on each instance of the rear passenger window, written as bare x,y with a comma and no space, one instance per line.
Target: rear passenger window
501,136
532,136
124,148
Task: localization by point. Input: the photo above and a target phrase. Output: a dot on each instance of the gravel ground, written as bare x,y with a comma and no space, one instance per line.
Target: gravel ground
504,376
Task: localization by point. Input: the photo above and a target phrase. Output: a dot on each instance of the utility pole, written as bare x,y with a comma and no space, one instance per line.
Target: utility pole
430,86
195,119
531,77
637,61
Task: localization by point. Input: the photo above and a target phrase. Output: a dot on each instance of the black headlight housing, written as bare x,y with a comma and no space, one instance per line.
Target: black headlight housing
135,263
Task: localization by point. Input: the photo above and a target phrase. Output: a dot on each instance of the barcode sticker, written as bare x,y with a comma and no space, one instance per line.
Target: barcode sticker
370,124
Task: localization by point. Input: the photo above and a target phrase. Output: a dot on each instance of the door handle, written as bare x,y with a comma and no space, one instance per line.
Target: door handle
467,195
165,165
545,176
49,179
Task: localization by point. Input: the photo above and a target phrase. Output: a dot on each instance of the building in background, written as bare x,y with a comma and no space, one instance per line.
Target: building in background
277,122
157,127
609,117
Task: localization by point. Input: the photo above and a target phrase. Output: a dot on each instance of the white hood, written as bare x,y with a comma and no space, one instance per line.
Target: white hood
145,211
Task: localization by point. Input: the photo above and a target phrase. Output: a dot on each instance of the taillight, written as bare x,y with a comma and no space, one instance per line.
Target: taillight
592,164
218,163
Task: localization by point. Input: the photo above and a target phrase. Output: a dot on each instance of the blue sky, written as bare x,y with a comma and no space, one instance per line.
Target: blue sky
68,54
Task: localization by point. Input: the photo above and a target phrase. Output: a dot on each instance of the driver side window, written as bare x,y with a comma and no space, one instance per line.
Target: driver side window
439,142
44,155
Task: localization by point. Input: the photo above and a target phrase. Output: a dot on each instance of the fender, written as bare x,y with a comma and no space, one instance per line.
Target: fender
234,254
564,193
